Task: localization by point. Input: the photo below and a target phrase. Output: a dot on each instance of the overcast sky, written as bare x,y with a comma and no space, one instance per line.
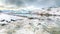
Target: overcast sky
35,3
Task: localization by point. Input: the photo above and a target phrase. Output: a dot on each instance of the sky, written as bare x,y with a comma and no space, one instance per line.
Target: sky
30,3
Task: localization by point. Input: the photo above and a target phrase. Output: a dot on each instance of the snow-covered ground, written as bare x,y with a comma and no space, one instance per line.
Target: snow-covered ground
30,22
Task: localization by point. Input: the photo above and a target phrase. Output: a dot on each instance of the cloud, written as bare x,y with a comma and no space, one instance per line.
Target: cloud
15,2
35,3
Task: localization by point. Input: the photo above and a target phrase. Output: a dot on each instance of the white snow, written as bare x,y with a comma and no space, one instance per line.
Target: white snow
23,26
8,17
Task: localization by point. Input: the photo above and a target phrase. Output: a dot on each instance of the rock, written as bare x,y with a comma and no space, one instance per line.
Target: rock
3,24
3,20
13,20
8,21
